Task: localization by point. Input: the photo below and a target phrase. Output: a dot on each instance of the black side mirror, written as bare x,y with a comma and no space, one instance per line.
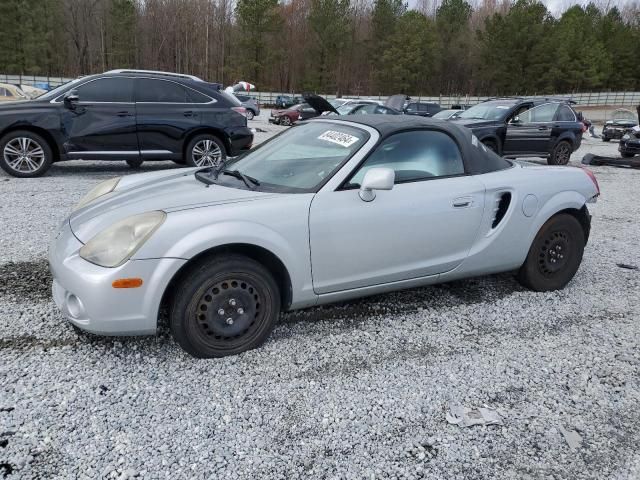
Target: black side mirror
515,120
71,100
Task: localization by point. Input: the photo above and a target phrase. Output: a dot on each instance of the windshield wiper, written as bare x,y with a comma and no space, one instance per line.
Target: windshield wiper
204,177
250,182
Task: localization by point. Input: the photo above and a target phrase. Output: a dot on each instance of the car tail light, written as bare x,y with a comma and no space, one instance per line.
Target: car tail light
241,110
593,179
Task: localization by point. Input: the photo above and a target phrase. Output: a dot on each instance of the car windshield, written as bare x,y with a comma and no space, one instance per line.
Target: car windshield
444,114
623,114
300,159
488,111
347,108
337,102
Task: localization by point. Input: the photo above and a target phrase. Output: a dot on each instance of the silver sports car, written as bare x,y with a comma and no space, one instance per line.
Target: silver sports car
329,210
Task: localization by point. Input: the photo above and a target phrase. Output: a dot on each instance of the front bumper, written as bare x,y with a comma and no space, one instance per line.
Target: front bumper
629,146
84,294
613,133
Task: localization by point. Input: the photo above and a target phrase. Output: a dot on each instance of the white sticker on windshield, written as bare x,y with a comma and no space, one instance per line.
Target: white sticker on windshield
503,107
339,138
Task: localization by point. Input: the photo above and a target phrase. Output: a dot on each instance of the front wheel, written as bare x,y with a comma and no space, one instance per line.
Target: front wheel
605,139
560,154
627,154
285,121
250,114
25,154
555,254
224,307
205,150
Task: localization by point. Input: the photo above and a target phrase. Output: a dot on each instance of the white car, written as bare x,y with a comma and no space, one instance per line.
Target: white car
330,210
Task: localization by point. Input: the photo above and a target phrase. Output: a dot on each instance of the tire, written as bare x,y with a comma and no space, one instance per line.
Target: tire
561,153
224,307
492,145
205,150
250,114
135,163
25,154
605,139
285,121
627,154
555,254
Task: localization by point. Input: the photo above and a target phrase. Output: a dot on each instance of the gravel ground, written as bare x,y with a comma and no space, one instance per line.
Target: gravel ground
355,390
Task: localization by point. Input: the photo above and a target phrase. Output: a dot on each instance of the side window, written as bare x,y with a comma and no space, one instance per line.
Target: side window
365,109
197,97
423,107
565,114
412,107
112,90
4,92
541,113
415,155
150,90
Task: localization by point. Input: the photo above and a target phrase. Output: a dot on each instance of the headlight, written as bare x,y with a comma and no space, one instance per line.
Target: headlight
116,244
101,189
626,136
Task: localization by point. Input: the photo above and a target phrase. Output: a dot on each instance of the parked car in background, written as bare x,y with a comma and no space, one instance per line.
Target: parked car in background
326,107
447,114
630,142
288,116
621,120
251,105
31,92
422,109
286,101
339,102
131,115
290,225
11,93
526,127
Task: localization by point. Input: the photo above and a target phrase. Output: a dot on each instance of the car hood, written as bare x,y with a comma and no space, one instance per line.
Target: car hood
621,123
17,105
167,191
319,104
475,122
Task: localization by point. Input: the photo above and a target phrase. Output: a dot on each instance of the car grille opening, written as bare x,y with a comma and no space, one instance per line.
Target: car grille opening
502,205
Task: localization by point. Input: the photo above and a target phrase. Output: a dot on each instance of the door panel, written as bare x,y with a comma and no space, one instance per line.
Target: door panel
411,231
165,115
532,133
103,123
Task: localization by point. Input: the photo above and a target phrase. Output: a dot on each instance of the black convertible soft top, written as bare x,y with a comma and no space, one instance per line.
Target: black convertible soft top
477,158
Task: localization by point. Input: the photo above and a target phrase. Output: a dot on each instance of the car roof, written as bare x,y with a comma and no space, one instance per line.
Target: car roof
388,124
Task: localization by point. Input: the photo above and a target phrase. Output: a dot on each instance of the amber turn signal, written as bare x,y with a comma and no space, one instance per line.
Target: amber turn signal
127,283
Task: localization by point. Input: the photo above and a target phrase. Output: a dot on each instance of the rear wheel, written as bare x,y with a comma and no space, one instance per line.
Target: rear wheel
250,114
561,153
205,150
225,307
555,254
605,139
25,154
627,154
135,162
285,120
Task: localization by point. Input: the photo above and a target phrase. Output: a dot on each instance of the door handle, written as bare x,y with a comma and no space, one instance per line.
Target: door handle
462,202
189,114
124,114
543,128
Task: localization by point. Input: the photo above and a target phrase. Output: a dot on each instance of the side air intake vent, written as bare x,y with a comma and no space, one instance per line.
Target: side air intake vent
502,205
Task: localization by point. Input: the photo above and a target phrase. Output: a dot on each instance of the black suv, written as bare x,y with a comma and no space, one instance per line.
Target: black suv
131,115
422,109
526,127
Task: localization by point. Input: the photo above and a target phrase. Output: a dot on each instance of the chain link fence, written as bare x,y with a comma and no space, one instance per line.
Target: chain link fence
583,99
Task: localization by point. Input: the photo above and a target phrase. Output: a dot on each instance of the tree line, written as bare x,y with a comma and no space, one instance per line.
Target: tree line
365,47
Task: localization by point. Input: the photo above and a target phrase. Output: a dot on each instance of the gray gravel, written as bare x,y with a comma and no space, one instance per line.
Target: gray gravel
354,390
